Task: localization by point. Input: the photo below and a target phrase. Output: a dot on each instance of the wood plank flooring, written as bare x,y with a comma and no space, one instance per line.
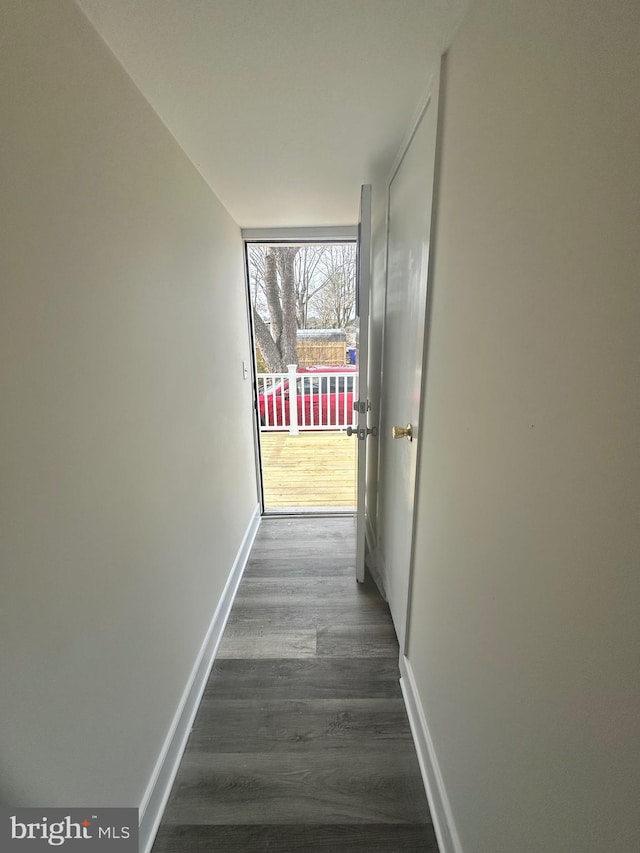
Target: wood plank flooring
313,469
301,742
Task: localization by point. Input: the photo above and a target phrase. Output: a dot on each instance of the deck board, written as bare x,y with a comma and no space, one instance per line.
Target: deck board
313,469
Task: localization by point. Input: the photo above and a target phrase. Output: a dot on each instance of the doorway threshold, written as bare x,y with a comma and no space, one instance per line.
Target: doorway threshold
309,512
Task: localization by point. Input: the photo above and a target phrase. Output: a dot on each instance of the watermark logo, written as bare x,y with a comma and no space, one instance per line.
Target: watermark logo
100,830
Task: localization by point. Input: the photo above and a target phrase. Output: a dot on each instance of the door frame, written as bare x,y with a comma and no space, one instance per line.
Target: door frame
320,234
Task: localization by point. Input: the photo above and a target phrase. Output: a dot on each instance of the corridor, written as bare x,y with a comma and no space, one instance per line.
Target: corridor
301,742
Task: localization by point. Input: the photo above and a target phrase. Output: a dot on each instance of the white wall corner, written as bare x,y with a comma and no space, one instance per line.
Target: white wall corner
443,823
164,773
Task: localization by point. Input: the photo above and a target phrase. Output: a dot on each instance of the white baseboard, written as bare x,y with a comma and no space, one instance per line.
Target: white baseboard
159,787
443,823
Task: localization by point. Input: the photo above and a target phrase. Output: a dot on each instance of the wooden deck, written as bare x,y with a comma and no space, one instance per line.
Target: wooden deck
313,469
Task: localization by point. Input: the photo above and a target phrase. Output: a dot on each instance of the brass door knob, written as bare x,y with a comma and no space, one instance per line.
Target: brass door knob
403,432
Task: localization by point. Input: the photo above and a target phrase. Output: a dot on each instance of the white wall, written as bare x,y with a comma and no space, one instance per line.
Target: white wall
127,468
525,636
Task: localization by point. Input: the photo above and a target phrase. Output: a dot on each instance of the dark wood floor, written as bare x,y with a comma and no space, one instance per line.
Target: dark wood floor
301,742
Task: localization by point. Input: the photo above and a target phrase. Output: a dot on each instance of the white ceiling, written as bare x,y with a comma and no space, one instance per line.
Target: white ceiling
285,106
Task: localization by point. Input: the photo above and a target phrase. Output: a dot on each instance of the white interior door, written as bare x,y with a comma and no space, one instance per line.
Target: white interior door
362,311
408,239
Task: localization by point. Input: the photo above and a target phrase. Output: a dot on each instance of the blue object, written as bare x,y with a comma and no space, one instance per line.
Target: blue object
351,355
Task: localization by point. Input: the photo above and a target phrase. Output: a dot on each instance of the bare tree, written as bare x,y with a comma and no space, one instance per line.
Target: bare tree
307,284
257,264
335,300
296,287
278,340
